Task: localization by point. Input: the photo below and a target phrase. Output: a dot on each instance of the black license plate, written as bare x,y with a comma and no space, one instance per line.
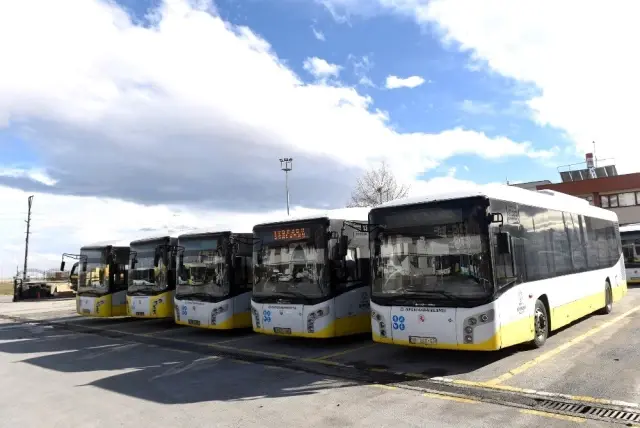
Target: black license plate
141,314
86,311
281,330
416,340
193,322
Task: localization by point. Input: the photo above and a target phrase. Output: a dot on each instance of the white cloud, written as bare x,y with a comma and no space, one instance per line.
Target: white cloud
65,223
35,174
186,111
150,93
320,68
587,79
395,82
318,34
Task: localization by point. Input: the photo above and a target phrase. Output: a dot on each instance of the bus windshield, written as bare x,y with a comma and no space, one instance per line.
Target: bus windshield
438,251
631,249
291,262
203,268
93,273
146,276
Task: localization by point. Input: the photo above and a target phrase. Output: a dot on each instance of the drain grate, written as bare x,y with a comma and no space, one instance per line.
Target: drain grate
594,411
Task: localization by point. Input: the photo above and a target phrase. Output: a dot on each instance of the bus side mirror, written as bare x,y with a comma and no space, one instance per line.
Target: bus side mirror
503,243
133,263
343,246
62,266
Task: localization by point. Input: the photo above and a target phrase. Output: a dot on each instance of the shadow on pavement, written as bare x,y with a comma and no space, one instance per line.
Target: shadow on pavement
161,375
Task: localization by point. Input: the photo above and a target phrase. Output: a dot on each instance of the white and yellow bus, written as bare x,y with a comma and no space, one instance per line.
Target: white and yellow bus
630,236
215,279
152,277
490,267
102,279
311,275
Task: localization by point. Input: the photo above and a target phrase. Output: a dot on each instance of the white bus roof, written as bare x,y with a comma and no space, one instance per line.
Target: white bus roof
353,214
107,243
196,232
543,199
151,239
630,228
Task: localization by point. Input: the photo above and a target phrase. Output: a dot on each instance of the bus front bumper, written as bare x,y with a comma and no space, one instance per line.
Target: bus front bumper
157,306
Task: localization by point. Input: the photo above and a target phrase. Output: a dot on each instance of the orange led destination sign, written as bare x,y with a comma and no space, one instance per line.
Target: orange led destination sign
285,234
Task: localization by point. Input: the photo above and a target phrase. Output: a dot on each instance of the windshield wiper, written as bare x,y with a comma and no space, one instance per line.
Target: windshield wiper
446,294
206,296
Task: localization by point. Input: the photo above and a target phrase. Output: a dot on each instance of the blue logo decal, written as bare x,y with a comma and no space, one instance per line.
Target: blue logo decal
267,316
184,310
398,322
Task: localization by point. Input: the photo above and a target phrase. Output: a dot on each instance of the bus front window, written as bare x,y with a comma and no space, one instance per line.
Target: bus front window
434,253
93,273
202,272
148,274
291,268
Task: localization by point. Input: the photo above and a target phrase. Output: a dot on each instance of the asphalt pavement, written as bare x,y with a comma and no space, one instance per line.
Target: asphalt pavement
74,371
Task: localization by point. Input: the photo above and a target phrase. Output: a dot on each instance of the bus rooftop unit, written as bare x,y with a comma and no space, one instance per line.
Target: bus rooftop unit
152,277
490,267
311,275
630,236
102,279
214,280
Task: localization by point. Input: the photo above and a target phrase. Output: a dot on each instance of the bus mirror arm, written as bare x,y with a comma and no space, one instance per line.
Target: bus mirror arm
344,245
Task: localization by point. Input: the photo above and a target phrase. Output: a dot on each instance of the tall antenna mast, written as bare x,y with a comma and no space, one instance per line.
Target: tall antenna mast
26,241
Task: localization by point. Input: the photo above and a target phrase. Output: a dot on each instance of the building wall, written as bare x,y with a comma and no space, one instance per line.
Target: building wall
607,192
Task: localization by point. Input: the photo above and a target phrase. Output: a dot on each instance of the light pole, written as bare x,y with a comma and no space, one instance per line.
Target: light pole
286,164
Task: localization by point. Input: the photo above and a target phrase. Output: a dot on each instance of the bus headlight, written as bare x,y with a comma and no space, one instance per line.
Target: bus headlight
474,321
313,316
217,311
256,316
382,325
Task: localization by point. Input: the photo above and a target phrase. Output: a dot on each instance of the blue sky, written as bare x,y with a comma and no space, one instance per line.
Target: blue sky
117,127
396,45
456,94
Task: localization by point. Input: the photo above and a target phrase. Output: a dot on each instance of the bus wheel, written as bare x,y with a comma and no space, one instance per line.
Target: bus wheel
608,299
541,324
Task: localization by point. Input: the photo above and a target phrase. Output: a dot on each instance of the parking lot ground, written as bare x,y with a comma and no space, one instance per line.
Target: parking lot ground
603,364
100,381
591,361
492,367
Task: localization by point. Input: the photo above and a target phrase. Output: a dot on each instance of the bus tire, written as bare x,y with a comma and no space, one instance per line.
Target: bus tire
540,325
608,299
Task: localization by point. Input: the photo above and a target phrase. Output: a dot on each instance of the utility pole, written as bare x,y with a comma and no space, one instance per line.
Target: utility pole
286,164
26,243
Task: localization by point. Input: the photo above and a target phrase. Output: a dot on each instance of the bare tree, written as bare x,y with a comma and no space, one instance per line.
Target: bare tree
376,186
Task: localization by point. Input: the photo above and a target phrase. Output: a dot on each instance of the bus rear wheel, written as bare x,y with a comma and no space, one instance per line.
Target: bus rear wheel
541,324
608,299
